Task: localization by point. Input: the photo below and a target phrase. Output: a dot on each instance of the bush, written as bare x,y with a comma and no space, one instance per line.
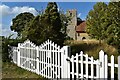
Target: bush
5,54
6,49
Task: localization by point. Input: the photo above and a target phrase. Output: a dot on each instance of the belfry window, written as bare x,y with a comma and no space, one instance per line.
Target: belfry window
70,14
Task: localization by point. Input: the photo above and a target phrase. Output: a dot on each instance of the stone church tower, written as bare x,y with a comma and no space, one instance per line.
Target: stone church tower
71,28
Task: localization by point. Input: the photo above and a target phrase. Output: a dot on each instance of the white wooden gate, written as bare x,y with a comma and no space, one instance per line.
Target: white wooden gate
27,56
48,59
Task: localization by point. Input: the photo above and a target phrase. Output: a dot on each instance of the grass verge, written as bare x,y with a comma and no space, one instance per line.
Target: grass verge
10,70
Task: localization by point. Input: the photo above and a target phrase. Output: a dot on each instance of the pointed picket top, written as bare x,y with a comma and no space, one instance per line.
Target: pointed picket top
81,53
106,57
47,42
86,55
76,54
50,44
101,53
72,56
112,57
92,58
27,42
19,44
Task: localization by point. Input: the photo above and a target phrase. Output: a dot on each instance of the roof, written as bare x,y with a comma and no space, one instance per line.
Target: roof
81,27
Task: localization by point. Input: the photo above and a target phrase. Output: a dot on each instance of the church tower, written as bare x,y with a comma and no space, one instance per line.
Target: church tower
71,32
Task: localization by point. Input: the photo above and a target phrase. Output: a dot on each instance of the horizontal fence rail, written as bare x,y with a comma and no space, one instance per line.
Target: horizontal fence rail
51,61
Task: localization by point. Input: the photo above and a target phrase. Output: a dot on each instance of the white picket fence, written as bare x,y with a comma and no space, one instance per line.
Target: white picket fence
51,61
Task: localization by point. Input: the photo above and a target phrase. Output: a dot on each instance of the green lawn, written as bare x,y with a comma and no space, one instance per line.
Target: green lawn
10,70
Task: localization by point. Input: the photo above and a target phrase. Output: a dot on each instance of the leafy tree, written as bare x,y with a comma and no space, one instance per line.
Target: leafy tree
46,26
20,21
113,24
95,21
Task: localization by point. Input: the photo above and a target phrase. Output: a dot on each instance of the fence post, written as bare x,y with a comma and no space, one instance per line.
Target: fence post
37,66
18,55
66,64
102,64
118,67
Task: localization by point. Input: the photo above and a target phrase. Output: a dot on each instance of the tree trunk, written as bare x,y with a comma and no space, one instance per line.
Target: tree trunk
99,41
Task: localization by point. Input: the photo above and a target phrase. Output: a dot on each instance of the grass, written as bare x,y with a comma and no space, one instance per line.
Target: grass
92,48
10,70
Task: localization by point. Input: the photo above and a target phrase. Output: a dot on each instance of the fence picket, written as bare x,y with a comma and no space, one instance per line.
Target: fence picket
59,62
106,66
52,71
81,64
55,70
77,67
112,67
118,67
98,70
62,63
39,60
101,58
72,60
86,56
44,63
47,48
92,69
18,63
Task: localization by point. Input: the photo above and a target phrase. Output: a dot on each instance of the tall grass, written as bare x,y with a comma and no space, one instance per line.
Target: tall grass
92,48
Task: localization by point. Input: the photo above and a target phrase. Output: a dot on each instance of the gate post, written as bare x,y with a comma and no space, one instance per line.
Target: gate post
118,67
37,59
18,55
102,64
66,64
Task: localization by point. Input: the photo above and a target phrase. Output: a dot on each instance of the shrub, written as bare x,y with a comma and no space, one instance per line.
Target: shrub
6,49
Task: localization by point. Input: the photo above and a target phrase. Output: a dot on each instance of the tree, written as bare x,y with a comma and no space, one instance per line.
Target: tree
113,24
46,26
95,21
20,21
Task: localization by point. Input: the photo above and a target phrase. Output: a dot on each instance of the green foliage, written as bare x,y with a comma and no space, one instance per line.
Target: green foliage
46,26
113,24
5,48
20,21
95,21
5,54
